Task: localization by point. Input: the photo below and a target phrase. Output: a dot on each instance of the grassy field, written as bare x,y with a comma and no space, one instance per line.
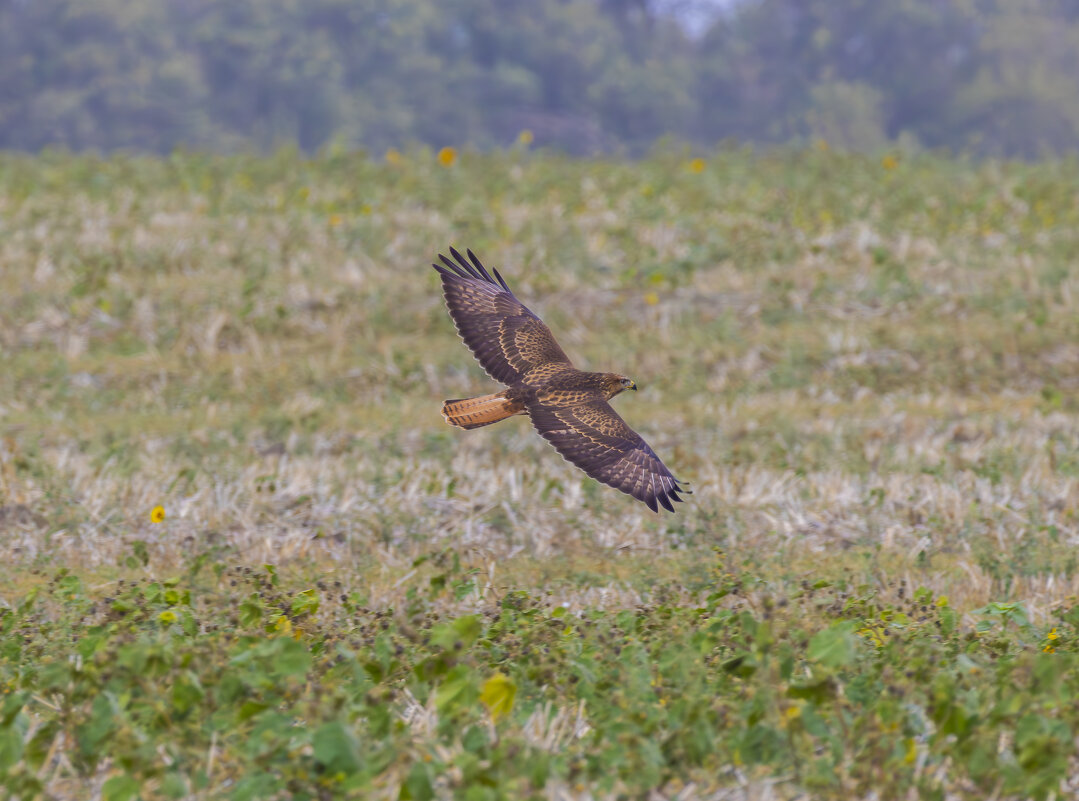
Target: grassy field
868,368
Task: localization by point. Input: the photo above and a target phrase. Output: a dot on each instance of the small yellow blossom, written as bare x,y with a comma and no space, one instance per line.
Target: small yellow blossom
942,600
525,137
651,298
157,514
1052,635
447,156
821,145
1049,649
365,209
167,618
697,165
393,156
889,162
794,711
336,219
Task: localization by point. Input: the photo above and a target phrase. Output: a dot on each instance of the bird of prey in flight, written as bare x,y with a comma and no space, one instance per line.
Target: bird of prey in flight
568,407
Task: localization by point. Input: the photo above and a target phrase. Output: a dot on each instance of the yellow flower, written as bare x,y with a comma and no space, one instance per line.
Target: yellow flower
1049,649
447,156
697,165
651,298
525,137
167,617
942,600
157,514
393,156
1052,635
336,219
821,145
889,162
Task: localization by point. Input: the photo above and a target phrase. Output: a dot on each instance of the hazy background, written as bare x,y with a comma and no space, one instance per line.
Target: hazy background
986,77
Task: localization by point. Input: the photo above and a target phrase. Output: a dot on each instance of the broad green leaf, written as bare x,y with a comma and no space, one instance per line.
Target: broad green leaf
256,787
174,786
291,658
835,646
417,785
120,788
465,630
11,746
337,749
251,610
305,603
13,705
458,689
816,691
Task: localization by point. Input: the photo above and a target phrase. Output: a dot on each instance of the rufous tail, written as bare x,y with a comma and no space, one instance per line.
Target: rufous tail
481,411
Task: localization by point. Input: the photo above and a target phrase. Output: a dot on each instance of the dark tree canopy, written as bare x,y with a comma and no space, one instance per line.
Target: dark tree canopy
991,77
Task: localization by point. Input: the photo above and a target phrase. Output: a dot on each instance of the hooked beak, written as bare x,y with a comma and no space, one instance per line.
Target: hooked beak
633,385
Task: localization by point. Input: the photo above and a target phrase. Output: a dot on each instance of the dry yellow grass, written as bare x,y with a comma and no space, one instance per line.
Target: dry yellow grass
260,348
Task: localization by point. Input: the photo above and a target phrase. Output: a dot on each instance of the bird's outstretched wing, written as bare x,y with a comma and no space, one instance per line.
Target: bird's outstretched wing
507,339
593,437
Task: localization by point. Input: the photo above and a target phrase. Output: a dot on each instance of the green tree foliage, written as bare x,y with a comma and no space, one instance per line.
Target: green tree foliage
107,74
985,76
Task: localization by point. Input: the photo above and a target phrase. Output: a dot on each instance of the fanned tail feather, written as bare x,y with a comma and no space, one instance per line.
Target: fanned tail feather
481,411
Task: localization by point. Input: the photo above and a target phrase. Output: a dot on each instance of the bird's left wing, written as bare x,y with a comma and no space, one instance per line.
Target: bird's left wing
594,438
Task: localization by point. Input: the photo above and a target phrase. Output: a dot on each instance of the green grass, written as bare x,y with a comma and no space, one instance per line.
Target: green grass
869,374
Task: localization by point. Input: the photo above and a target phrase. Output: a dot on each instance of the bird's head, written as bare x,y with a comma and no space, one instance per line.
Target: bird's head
614,383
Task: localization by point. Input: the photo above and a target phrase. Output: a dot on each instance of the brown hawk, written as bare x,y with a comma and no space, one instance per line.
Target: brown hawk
568,406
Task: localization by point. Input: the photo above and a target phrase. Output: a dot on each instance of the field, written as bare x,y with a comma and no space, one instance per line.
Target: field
868,367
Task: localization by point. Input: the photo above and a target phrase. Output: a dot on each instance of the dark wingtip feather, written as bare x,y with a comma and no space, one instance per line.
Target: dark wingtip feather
501,280
650,501
480,266
468,267
665,501
456,269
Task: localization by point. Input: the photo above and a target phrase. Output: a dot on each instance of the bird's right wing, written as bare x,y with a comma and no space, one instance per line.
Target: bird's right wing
506,338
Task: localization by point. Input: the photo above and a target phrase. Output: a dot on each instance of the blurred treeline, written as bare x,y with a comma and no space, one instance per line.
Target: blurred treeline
989,77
